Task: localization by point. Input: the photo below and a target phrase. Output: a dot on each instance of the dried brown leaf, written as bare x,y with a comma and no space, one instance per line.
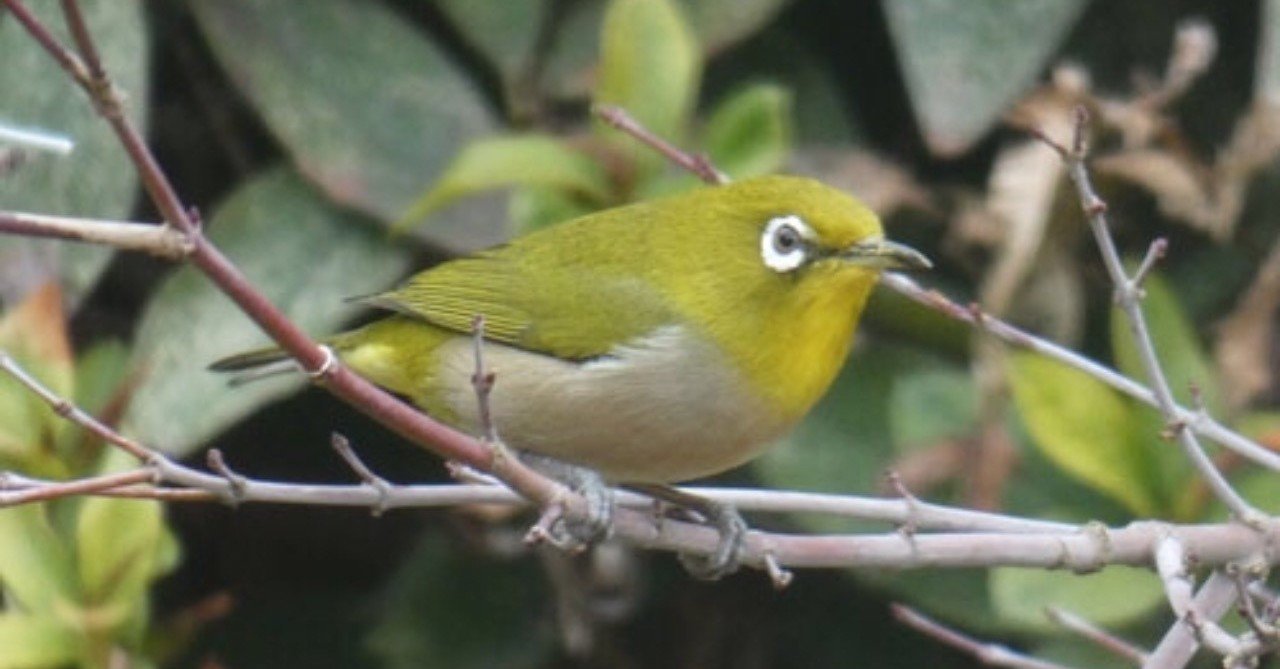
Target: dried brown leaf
882,185
1243,347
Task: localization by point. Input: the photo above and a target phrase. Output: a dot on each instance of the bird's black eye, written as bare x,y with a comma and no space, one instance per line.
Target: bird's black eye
786,239
784,245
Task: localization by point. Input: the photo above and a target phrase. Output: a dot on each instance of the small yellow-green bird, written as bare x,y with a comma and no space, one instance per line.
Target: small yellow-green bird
653,343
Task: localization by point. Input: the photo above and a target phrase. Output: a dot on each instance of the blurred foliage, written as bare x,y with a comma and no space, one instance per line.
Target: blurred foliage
75,574
311,130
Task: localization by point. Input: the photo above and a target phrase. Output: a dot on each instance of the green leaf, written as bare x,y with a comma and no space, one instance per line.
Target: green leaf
505,32
749,134
1087,429
517,160
929,405
365,105
118,541
1115,596
533,208
306,255
1177,346
575,42
650,65
721,23
35,566
964,61
36,642
96,179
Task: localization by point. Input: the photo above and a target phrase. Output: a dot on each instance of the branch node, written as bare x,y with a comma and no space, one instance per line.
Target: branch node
780,576
235,482
380,485
327,366
1079,143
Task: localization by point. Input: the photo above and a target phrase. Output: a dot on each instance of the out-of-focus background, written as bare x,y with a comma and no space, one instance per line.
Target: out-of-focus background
306,131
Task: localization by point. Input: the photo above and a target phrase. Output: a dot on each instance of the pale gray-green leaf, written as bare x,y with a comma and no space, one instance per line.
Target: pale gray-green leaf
303,253
965,60
95,179
365,104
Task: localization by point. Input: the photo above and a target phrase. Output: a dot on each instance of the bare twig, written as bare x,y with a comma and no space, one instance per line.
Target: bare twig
482,381
699,166
55,490
1129,299
990,654
158,240
1104,639
370,479
1010,334
1180,643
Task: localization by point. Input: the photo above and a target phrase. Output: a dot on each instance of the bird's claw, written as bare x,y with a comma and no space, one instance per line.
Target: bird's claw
572,531
727,557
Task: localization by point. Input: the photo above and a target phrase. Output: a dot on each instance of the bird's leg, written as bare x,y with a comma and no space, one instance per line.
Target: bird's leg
592,487
727,557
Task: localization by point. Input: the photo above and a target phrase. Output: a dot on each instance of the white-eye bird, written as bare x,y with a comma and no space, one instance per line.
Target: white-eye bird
653,343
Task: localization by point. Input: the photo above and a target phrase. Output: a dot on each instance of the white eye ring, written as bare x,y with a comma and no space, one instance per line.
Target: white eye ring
784,245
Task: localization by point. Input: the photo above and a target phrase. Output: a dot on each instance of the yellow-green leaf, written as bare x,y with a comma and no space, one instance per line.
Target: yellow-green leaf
1111,597
519,160
1085,428
36,642
1177,345
749,134
650,65
35,565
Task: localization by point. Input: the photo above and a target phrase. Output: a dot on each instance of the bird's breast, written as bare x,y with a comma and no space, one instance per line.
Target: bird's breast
664,407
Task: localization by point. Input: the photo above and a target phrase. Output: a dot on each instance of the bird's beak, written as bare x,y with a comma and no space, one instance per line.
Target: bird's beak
883,254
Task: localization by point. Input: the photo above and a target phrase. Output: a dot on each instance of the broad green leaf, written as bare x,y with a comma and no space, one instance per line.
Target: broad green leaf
36,573
37,642
96,179
516,160
364,103
434,615
721,23
505,32
118,541
34,334
306,255
965,61
749,134
1114,596
1087,429
1178,348
575,42
533,208
930,405
650,65
99,372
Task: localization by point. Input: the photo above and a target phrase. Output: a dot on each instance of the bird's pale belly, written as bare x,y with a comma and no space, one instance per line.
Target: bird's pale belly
664,408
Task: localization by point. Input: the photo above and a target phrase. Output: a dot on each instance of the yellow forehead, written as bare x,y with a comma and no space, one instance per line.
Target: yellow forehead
838,219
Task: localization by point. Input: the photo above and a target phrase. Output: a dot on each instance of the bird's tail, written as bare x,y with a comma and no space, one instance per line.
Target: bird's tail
257,364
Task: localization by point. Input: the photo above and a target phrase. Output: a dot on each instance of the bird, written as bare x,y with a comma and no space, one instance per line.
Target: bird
651,343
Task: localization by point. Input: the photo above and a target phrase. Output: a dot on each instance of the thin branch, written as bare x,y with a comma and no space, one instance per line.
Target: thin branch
1102,638
1129,298
1179,645
1194,421
482,382
1171,565
698,165
157,240
56,490
990,654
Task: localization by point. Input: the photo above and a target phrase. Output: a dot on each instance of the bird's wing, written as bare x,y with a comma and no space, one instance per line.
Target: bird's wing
573,311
